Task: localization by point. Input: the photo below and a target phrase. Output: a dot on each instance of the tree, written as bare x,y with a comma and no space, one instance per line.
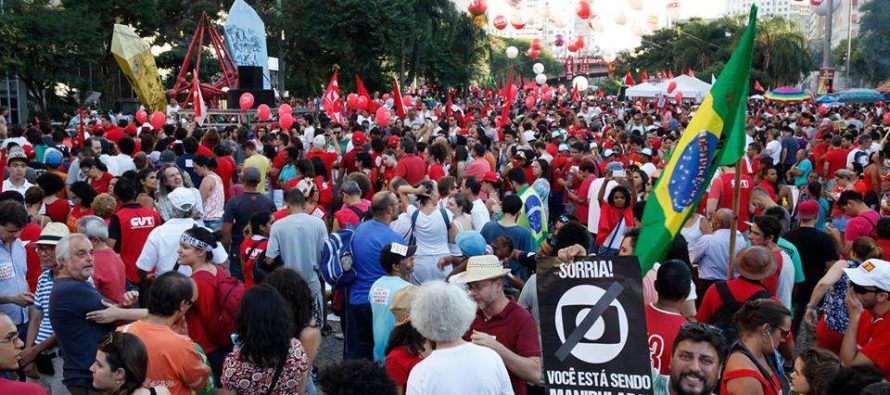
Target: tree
874,36
781,55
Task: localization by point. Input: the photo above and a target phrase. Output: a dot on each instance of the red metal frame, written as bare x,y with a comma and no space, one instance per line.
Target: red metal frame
212,92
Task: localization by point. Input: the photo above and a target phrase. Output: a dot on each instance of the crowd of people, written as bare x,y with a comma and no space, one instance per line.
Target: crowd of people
193,259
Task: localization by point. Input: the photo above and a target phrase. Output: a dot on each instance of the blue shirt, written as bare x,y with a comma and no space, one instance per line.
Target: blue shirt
711,253
370,237
521,237
806,167
383,320
69,303
13,280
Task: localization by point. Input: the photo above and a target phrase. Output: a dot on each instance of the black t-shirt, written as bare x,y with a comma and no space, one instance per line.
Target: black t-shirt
239,210
69,302
816,248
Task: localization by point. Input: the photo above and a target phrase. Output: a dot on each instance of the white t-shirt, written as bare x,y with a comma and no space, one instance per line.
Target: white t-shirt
593,211
122,163
430,231
9,186
774,150
649,168
479,214
159,251
482,372
786,280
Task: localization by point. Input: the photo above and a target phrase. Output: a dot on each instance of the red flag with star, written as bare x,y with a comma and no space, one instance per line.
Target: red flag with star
331,102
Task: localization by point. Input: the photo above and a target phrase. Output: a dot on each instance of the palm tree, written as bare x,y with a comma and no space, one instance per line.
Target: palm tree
781,51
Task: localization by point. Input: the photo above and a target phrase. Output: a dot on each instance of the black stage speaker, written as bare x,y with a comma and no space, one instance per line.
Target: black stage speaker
250,77
260,96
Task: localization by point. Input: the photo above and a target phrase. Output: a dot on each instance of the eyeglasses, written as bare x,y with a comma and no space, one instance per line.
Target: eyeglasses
863,290
784,332
12,337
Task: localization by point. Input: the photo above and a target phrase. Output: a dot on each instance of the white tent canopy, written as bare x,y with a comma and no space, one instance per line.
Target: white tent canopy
690,87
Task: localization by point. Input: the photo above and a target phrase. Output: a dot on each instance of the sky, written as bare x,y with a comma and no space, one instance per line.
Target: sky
618,24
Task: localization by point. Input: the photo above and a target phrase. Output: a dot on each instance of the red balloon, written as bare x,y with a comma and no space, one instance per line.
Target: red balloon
406,101
263,112
573,48
672,86
158,119
477,7
352,101
141,116
500,22
678,97
361,103
548,96
286,120
381,118
385,96
823,109
583,10
886,118
534,54
579,42
536,44
285,109
246,101
529,102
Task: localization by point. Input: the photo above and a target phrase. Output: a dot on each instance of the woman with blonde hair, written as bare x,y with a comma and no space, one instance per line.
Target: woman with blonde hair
826,308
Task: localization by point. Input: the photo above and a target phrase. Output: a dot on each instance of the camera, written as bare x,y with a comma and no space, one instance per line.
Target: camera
611,333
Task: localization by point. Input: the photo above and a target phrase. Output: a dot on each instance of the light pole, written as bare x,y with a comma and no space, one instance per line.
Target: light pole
849,43
826,50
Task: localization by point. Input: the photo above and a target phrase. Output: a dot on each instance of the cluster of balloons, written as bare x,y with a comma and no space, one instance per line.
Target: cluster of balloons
577,45
356,102
285,116
157,121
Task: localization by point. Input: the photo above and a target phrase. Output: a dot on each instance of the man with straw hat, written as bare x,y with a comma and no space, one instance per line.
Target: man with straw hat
500,323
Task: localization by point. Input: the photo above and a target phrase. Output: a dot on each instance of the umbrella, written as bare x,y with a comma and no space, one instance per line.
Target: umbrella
134,57
756,97
860,96
826,99
787,94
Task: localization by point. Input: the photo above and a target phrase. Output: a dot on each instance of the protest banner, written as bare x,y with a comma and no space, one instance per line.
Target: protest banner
594,341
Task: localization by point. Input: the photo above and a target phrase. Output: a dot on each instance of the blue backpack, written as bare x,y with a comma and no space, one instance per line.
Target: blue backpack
336,259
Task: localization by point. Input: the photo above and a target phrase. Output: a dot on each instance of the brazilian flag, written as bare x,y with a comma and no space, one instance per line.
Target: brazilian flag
715,137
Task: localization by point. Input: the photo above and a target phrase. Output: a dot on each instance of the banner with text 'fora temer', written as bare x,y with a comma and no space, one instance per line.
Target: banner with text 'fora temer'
594,337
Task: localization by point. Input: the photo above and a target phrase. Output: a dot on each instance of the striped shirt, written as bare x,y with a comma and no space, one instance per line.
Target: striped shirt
41,303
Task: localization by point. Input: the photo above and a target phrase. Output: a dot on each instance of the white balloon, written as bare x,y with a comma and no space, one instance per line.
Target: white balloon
558,20
620,18
512,52
541,79
636,4
538,68
637,29
580,83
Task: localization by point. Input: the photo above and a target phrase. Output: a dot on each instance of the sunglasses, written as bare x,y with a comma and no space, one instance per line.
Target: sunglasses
784,332
863,290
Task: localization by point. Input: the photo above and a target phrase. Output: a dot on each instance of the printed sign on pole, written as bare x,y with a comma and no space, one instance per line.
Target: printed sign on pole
595,339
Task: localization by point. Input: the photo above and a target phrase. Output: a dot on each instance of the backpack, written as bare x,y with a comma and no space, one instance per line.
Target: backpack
723,317
413,240
362,215
229,292
336,259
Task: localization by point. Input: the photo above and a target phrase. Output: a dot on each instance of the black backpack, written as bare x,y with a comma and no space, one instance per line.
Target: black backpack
723,317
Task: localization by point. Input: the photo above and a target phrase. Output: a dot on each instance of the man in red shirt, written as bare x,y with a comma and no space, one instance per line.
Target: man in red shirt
580,197
358,141
867,341
250,249
225,168
108,268
500,323
410,166
664,317
835,159
721,193
129,228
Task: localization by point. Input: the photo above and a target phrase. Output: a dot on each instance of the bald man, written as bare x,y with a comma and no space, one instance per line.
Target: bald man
711,251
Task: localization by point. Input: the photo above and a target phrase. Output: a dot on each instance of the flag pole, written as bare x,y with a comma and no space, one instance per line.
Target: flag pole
734,223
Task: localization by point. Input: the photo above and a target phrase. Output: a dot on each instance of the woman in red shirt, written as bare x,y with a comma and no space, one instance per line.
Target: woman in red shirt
436,156
196,251
616,216
751,367
83,195
55,206
97,173
770,179
406,347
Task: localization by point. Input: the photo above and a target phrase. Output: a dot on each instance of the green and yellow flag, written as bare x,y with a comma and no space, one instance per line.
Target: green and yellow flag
715,137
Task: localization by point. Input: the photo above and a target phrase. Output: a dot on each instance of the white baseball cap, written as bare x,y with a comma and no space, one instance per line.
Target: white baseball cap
871,273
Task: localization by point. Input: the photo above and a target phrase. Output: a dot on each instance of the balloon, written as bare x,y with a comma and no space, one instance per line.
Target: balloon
652,22
538,68
573,47
246,101
529,102
583,9
352,100
637,5
637,29
620,18
480,20
580,83
263,112
541,79
158,119
558,21
285,109
536,44
141,116
886,118
533,53
500,22
672,86
286,120
518,19
512,52
477,7
362,103
823,109
678,97
385,96
579,42
548,96
406,101
382,116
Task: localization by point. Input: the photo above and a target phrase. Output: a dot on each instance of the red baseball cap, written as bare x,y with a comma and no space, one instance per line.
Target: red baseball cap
808,209
490,177
393,141
359,138
29,151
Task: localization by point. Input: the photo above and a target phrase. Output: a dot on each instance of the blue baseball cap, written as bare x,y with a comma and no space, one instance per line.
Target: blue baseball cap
471,243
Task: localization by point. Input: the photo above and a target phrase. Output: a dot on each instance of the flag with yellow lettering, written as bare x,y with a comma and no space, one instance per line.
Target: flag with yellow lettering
715,137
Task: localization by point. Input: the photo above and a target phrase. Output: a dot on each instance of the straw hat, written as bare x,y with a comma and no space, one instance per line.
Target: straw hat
482,267
401,304
52,233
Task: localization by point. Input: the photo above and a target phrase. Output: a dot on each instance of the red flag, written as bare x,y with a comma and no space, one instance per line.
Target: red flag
691,73
198,100
397,99
362,91
644,76
331,102
628,79
508,95
758,87
448,105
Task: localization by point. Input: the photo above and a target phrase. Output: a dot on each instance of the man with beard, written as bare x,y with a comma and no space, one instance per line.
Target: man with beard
867,340
696,359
